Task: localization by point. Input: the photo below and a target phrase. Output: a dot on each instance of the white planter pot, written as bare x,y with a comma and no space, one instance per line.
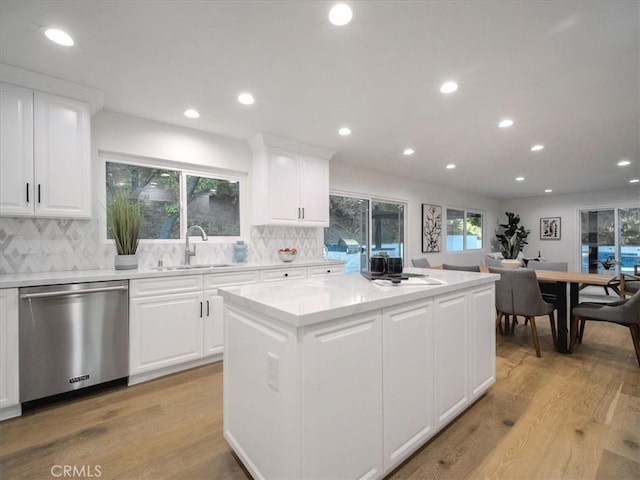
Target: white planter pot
125,262
510,263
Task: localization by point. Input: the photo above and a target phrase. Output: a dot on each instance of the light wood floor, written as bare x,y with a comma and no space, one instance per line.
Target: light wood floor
555,417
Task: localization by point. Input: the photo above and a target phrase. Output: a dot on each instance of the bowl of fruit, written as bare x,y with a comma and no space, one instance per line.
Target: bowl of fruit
287,254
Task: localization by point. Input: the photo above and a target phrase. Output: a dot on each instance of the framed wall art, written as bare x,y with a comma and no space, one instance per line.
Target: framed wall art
550,228
431,228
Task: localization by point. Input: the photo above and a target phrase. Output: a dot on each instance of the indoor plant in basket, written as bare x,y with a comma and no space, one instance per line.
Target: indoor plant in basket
512,240
124,218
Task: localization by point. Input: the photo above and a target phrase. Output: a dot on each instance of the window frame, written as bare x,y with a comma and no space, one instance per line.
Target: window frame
466,212
183,170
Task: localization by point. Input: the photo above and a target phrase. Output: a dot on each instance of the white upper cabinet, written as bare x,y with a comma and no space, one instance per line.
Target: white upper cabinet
16,150
45,162
291,182
314,190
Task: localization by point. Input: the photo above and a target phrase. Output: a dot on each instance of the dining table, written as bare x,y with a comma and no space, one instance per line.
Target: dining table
568,297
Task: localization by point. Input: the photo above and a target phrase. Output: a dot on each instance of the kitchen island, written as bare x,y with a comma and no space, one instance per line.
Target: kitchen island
343,378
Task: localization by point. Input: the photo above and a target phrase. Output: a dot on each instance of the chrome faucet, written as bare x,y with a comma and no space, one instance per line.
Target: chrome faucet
188,253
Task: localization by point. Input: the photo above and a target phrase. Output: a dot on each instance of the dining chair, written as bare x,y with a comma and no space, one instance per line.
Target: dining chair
629,284
462,268
522,285
623,312
548,289
420,263
493,262
504,300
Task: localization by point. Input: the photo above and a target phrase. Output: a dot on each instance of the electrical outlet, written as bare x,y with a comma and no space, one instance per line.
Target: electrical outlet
273,371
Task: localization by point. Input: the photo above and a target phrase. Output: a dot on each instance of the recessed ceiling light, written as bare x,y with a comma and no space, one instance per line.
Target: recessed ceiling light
191,113
344,131
624,163
519,179
340,14
246,99
409,151
634,180
537,148
451,166
59,36
548,190
505,123
448,87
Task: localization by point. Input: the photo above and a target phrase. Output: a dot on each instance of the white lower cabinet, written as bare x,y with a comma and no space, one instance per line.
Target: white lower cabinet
408,369
342,424
326,270
290,273
452,356
9,366
213,324
482,340
177,322
165,331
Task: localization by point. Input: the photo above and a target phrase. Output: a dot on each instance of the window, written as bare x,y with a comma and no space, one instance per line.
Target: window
612,233
357,230
213,204
173,199
464,230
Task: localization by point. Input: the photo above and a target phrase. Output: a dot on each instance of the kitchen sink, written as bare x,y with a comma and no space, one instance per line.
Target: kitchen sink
192,267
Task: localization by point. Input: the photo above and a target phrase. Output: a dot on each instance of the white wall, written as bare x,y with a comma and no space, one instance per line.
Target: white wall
345,178
121,133
566,207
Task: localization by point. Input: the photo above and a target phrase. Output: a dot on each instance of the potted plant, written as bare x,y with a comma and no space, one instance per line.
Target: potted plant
124,218
512,240
607,263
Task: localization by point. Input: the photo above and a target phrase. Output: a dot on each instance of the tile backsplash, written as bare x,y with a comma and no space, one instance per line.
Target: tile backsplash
54,245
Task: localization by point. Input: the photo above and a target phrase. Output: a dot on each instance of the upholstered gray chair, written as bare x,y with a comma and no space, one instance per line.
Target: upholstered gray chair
548,289
420,263
556,266
629,284
464,268
493,262
624,312
526,300
504,300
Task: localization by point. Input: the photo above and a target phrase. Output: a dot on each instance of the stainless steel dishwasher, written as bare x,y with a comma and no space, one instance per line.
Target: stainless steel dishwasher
72,336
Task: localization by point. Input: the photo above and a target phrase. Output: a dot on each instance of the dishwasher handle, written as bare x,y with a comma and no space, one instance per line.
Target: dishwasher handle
64,293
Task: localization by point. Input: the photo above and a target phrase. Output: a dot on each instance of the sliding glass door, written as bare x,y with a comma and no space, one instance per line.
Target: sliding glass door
387,229
610,239
347,236
360,227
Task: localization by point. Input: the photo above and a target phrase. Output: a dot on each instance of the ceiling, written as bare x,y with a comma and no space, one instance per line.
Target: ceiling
567,73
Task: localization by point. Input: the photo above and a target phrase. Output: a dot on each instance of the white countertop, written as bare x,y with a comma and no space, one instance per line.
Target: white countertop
14,280
307,301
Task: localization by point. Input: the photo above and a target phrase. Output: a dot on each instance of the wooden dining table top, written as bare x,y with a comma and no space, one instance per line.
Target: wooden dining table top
571,277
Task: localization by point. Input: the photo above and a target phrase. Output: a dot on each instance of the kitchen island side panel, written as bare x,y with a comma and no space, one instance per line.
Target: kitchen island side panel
260,395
